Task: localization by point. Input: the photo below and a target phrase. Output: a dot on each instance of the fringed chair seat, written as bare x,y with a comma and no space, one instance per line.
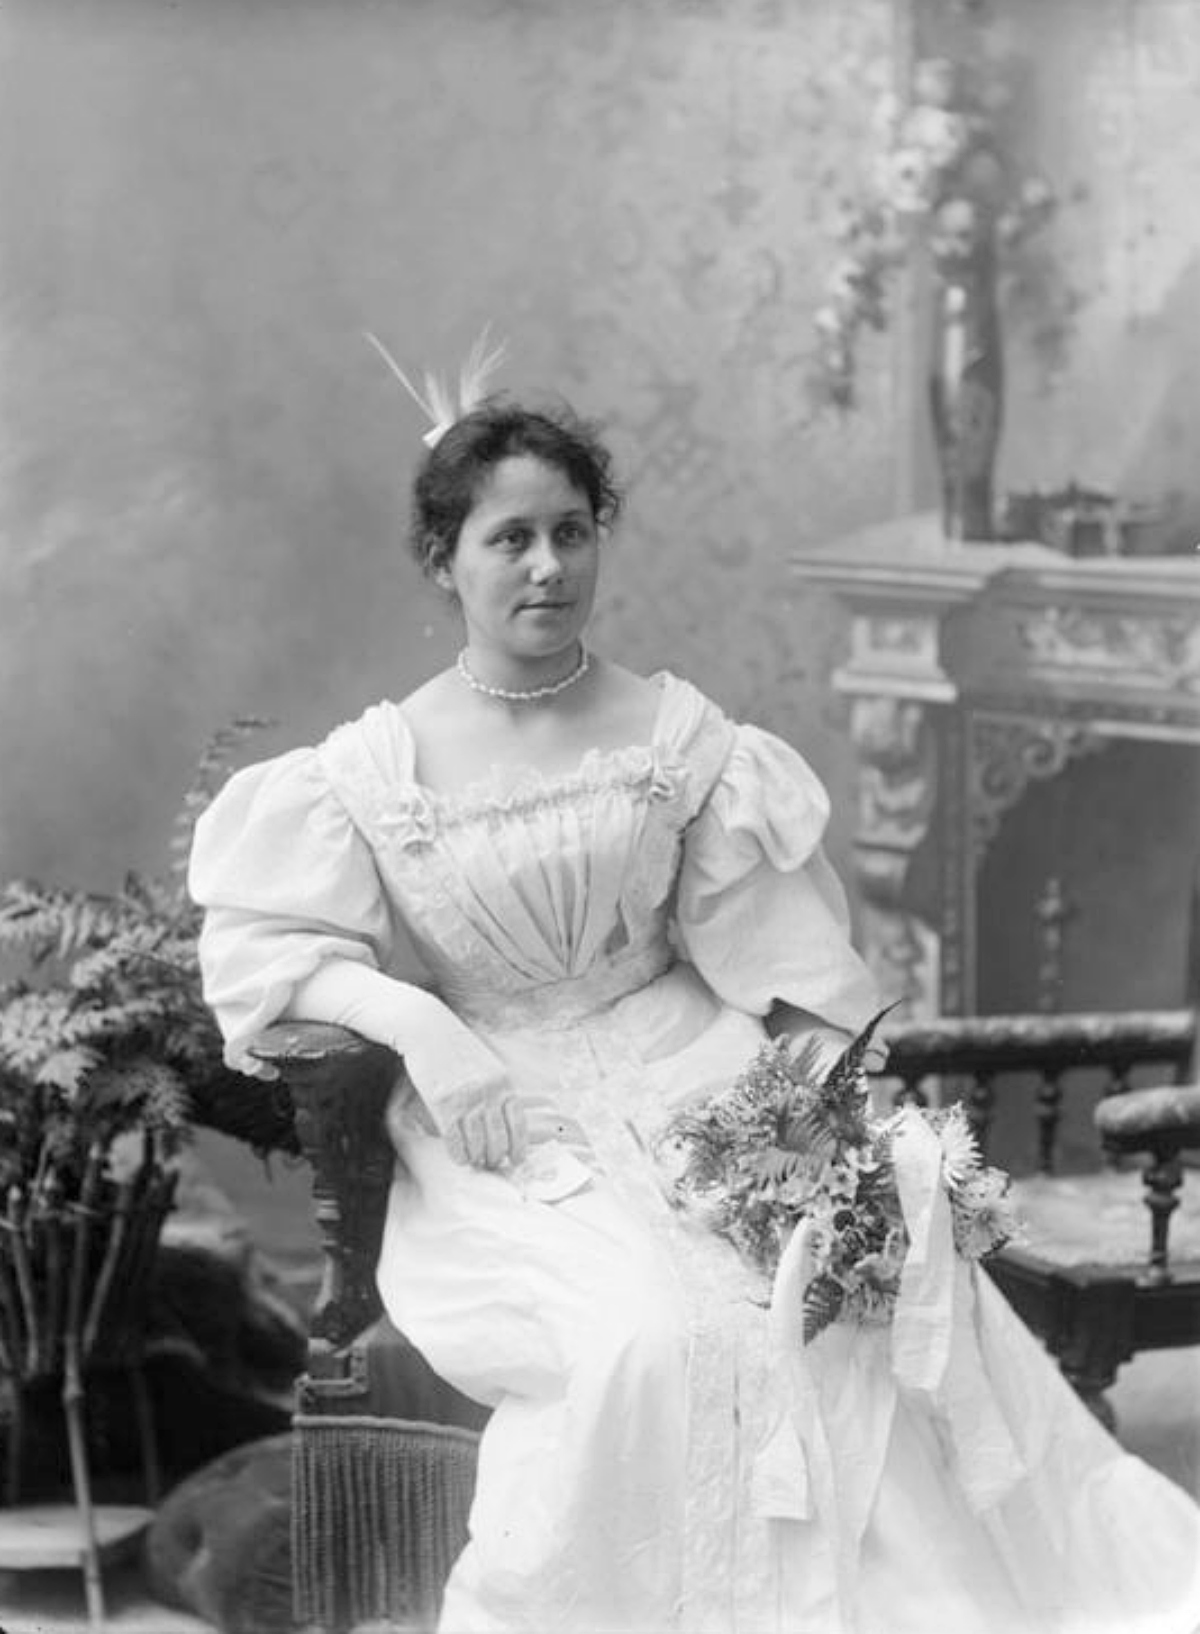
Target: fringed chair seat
381,1515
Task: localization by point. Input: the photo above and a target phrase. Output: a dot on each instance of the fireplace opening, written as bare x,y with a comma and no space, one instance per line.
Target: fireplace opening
1082,903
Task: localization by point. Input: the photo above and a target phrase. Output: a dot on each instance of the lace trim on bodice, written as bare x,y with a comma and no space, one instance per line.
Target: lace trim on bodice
411,818
370,764
635,766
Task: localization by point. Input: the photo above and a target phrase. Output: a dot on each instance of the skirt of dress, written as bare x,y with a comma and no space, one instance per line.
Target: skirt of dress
663,1456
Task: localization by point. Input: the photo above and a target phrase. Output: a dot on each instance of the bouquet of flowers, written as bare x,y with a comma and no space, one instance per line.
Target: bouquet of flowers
787,1142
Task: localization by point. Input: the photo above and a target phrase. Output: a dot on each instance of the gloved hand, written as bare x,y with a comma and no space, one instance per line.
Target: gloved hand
463,1085
484,1126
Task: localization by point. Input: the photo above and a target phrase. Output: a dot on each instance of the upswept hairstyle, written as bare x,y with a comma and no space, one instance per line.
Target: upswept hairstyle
453,472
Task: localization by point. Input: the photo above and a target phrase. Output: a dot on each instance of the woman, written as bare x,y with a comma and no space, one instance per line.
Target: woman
613,890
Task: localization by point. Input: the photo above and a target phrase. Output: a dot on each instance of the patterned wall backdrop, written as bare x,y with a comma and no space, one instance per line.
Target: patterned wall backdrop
204,466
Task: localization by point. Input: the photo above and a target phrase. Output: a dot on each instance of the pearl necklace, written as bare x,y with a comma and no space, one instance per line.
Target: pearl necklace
531,694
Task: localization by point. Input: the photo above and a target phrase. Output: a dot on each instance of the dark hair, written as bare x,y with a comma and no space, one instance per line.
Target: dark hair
452,474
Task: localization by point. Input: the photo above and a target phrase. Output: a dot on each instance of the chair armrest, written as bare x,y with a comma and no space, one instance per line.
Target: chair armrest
340,1084
1163,1119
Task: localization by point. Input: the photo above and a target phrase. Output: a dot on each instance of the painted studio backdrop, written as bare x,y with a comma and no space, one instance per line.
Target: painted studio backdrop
203,467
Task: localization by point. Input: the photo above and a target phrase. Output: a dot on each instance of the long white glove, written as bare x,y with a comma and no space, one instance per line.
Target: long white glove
462,1083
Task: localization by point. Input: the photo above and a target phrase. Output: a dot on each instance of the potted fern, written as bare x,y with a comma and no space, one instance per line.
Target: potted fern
109,1059
106,1033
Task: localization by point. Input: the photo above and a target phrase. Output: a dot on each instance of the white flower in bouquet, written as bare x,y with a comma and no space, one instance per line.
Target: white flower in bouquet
983,1212
960,1150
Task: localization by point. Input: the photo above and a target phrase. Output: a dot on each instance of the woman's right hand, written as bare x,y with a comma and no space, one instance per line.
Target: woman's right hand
461,1084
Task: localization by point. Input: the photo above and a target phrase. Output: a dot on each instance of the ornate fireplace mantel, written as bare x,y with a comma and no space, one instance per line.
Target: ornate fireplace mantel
972,670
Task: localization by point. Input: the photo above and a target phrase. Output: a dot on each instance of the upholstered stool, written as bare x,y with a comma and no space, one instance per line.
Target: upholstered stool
1093,1276
1163,1122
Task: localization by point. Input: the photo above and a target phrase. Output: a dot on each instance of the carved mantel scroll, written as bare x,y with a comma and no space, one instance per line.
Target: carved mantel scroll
974,670
1007,754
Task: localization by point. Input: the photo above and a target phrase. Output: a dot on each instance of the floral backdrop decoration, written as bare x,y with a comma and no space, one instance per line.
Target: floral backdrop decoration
944,164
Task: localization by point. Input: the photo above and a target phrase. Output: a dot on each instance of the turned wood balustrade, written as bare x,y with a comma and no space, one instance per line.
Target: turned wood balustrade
982,1049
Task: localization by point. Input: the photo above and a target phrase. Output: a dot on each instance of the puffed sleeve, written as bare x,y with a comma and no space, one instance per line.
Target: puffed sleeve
287,883
760,911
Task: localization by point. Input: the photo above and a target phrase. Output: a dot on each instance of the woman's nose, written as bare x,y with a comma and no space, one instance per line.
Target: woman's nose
545,563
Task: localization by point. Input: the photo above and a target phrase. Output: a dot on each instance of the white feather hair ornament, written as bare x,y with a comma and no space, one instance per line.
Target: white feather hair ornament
437,401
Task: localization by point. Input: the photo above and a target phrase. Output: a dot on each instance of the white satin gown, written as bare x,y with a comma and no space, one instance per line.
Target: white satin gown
663,1453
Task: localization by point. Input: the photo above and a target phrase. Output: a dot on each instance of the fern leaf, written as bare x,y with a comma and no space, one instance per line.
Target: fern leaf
161,1091
96,972
211,771
804,1065
809,1131
40,921
144,1088
777,1165
848,1072
67,1069
148,896
134,957
37,920
32,1027
194,1044
87,922
822,1305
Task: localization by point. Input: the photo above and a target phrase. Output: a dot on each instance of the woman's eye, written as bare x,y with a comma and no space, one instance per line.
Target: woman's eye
573,533
513,538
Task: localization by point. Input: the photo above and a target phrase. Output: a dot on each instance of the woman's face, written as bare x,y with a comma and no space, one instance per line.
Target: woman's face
524,569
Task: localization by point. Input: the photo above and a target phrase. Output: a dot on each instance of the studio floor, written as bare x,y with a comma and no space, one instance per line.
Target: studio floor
1157,1399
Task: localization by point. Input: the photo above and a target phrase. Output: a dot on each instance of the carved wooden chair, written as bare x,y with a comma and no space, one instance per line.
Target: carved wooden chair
385,1450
